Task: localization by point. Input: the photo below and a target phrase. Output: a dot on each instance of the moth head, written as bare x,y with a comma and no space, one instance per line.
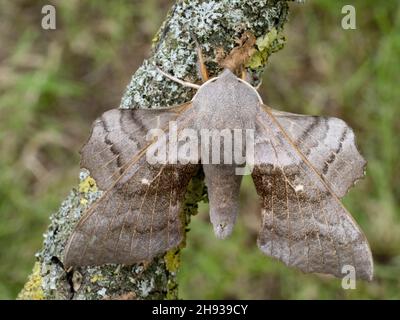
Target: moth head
240,54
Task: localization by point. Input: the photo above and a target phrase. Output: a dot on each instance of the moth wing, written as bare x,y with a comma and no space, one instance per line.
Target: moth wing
139,214
304,223
118,137
329,145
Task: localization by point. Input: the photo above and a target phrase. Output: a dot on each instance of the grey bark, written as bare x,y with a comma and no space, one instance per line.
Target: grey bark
215,24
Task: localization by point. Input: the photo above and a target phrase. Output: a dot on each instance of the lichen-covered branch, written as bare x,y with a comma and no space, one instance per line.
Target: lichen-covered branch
216,25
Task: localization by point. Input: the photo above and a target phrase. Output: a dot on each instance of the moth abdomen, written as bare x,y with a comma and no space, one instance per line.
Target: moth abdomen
223,187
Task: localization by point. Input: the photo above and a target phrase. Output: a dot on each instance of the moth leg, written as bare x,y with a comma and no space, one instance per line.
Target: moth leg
175,79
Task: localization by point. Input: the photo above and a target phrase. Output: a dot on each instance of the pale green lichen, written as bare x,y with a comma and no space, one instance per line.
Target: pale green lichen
215,24
87,186
172,260
33,287
97,277
266,45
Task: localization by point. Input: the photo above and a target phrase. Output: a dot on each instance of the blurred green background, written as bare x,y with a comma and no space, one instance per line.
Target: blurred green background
53,84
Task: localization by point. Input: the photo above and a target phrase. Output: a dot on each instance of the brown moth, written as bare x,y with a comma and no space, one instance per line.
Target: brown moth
302,166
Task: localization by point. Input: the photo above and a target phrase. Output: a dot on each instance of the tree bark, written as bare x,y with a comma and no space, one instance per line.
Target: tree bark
215,24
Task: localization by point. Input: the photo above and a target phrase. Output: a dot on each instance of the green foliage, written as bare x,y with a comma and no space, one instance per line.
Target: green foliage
54,83
266,45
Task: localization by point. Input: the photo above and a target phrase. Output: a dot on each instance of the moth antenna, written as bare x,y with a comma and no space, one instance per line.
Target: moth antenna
245,75
201,65
175,79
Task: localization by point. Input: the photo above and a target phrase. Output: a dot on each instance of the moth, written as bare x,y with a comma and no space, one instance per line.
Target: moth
302,167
